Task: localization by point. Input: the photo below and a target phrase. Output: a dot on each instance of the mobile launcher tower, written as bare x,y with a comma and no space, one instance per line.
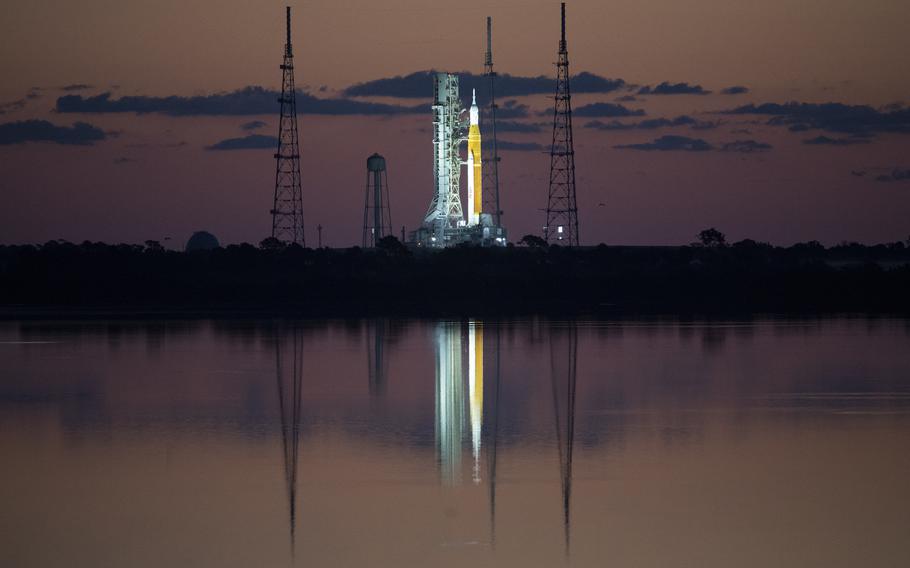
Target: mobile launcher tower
445,223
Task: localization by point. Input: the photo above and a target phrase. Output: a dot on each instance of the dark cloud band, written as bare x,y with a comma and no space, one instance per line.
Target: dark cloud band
246,101
827,141
419,85
251,142
861,120
671,143
252,125
20,132
607,110
667,88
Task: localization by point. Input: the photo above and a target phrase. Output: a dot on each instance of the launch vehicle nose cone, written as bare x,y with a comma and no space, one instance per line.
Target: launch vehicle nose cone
474,111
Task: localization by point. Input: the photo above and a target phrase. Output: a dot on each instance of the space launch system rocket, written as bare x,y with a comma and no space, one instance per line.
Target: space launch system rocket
475,169
446,222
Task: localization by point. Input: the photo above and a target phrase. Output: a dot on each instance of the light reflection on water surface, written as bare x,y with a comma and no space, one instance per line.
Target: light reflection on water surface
518,443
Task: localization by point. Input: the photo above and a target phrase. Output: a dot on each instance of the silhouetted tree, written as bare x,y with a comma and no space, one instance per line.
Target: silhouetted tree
712,238
153,246
532,241
749,244
271,243
392,245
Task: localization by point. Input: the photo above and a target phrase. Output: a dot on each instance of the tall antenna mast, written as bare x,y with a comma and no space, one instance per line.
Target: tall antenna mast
562,210
287,206
491,203
287,45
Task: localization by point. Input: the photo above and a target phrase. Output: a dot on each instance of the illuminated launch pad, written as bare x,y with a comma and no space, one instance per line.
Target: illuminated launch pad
446,223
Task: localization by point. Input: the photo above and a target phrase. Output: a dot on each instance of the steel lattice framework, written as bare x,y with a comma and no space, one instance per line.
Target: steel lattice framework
287,207
445,210
491,203
562,211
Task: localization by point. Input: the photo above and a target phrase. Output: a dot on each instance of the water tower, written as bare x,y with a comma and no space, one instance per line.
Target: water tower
377,216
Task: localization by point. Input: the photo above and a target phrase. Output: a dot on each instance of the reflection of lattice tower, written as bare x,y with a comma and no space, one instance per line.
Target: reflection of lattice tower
491,203
289,378
377,361
562,211
445,209
287,207
377,214
450,410
563,377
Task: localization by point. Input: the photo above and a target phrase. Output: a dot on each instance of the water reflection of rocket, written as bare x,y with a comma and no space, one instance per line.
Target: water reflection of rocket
452,415
475,171
475,388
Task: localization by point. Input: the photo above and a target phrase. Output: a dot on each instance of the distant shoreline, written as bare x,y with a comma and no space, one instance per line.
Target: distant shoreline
94,280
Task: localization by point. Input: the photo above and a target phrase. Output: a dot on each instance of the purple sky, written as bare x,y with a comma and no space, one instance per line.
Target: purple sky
150,176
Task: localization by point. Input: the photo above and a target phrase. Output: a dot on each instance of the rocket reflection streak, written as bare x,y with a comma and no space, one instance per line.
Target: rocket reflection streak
450,407
450,397
475,387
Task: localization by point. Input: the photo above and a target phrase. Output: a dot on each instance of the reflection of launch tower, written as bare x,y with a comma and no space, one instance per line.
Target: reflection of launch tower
449,401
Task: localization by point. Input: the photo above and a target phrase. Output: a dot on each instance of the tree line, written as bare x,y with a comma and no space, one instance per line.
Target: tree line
707,275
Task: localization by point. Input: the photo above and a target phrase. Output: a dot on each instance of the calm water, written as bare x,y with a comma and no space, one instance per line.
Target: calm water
455,443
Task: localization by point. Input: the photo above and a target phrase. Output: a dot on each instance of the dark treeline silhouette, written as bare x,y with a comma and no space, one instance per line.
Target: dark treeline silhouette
709,275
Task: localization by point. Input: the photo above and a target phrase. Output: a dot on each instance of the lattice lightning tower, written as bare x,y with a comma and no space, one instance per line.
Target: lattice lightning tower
287,208
491,203
562,211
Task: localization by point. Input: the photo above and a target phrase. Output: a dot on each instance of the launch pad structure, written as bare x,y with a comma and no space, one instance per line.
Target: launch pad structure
447,223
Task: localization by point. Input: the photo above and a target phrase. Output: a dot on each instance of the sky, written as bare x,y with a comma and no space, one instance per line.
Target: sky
779,121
